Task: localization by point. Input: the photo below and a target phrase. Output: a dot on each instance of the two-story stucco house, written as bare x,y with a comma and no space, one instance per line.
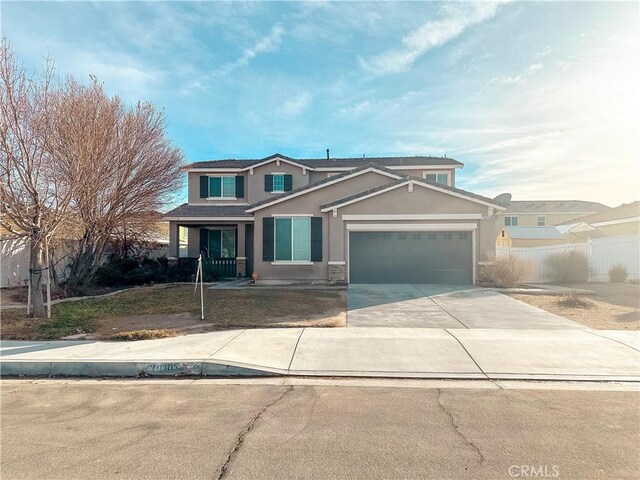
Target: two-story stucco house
373,220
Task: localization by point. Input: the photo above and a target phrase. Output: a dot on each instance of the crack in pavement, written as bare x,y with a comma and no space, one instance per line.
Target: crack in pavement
466,441
222,472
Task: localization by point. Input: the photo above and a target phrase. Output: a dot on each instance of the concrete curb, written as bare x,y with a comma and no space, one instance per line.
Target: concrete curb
177,368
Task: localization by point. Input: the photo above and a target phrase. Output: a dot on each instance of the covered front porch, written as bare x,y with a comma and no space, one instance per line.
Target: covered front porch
223,234
225,245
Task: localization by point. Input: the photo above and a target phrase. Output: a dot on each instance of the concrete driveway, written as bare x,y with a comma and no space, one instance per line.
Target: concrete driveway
444,306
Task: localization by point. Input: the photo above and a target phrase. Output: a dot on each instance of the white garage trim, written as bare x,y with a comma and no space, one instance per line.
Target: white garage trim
411,227
411,216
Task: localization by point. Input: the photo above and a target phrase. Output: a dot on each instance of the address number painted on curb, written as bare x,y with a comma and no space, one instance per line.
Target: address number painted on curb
169,368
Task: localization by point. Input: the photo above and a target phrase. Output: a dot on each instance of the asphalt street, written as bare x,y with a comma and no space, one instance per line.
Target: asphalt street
128,429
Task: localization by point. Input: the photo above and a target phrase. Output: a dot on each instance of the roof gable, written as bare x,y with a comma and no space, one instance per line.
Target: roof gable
325,183
360,196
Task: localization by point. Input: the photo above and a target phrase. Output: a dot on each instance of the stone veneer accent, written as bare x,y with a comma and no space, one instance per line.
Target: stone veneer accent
337,273
241,267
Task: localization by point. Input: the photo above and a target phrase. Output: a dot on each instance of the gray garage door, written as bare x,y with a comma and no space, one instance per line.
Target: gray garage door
410,257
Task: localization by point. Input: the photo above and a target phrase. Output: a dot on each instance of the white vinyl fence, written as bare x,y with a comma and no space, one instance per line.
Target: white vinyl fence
603,253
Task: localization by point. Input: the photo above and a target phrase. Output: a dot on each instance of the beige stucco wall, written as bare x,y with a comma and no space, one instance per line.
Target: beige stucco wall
253,184
308,204
194,189
531,219
418,173
421,201
335,234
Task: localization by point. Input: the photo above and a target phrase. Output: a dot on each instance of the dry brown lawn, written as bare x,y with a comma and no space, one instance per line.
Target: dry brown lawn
175,307
615,306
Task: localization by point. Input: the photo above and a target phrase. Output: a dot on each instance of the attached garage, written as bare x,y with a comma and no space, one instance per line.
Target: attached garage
411,257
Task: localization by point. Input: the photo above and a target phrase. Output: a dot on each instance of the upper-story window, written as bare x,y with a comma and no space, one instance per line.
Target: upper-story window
542,221
510,221
278,183
222,187
228,187
441,178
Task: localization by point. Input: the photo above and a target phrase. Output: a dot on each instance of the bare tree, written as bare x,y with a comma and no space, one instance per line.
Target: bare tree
34,200
119,160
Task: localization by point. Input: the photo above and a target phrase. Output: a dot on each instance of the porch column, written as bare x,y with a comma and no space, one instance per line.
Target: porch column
241,254
337,264
173,239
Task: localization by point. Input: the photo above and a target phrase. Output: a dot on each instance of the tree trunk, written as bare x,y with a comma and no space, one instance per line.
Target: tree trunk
87,261
38,265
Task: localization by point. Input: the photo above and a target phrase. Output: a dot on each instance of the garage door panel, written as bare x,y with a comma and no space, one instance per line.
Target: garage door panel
410,257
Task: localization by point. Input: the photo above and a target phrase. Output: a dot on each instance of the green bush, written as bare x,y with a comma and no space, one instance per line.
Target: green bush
126,271
618,274
569,267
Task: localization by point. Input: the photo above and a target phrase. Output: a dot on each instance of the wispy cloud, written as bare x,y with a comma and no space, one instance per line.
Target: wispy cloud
455,19
269,43
505,80
296,105
534,67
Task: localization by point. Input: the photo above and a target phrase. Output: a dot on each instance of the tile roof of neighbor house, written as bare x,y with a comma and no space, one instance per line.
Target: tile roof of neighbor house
626,210
205,211
364,193
533,232
327,180
330,163
554,206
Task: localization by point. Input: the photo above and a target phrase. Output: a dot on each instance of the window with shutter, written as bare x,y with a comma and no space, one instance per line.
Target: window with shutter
267,239
222,186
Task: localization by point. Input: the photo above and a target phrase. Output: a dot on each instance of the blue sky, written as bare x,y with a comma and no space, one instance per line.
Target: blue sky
538,99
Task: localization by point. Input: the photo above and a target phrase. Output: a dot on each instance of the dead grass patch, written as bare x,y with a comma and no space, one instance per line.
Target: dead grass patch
143,335
611,306
175,307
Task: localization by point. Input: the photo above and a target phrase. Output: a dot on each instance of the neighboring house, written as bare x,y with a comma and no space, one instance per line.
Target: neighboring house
545,213
622,220
374,220
529,237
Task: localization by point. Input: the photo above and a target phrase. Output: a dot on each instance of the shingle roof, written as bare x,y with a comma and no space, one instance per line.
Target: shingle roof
205,211
625,210
533,232
331,163
327,180
402,180
554,206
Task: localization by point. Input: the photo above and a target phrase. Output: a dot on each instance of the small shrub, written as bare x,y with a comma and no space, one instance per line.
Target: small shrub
507,271
618,274
134,335
569,267
573,300
124,271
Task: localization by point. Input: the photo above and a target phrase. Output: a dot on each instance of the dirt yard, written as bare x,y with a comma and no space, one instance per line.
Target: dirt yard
175,308
615,306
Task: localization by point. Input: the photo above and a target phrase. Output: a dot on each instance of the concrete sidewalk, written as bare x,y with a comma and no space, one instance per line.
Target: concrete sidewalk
353,352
